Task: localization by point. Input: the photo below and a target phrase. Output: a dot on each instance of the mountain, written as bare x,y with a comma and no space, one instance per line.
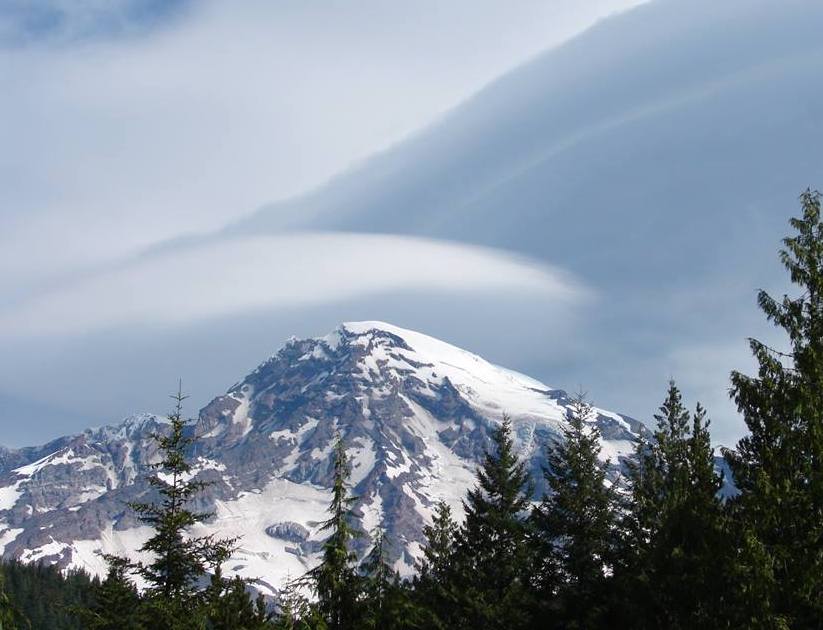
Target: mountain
414,412
656,156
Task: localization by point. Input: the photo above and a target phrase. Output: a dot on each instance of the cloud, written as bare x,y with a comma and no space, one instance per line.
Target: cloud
225,277
65,21
112,143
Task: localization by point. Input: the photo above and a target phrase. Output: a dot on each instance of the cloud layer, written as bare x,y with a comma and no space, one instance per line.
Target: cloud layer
229,277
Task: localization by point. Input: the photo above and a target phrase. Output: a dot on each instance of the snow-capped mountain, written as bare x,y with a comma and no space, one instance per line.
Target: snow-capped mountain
414,412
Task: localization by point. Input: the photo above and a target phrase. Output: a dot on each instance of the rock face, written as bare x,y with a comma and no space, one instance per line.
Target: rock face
414,412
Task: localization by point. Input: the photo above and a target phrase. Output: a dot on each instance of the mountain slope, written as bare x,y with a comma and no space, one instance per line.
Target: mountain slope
414,412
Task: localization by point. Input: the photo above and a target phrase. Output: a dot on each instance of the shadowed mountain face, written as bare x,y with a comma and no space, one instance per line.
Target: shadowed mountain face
414,412
678,127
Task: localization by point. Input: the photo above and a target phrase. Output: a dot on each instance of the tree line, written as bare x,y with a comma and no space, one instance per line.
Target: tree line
660,547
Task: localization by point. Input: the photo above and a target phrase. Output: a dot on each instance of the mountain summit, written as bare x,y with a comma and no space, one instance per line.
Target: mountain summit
414,412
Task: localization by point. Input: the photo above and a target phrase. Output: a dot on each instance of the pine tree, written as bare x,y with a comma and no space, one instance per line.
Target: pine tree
10,616
229,606
674,562
493,554
180,561
377,576
117,603
436,585
386,603
574,526
778,465
296,611
335,580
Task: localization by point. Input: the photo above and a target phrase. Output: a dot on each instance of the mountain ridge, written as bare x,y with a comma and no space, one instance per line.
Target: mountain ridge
414,412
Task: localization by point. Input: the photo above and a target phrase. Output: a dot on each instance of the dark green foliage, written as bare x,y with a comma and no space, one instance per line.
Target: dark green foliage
229,607
661,551
42,597
116,603
386,601
574,528
296,611
673,565
335,581
437,587
10,617
492,554
175,597
778,466
179,561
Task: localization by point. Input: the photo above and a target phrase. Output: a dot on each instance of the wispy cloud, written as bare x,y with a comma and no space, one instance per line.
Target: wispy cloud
113,143
234,276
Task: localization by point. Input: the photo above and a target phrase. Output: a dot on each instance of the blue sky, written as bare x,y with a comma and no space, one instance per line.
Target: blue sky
152,157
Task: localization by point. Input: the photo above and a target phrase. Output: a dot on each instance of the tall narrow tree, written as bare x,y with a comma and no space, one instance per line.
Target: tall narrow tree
437,585
492,543
335,580
674,556
179,561
778,465
574,525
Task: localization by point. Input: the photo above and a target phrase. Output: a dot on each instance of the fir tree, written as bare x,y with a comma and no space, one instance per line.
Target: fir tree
117,603
296,612
386,603
493,554
437,584
778,465
574,526
674,551
180,561
335,580
229,606
377,584
10,616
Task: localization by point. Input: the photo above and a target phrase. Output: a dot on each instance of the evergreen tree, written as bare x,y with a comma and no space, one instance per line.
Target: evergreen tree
436,587
377,585
296,611
386,604
674,561
173,598
10,616
335,580
43,596
492,550
574,527
229,606
778,465
116,603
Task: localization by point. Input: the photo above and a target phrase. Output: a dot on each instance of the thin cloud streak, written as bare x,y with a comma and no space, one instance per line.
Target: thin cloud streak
239,275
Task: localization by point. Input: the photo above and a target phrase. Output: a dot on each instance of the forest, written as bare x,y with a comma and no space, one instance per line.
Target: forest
660,548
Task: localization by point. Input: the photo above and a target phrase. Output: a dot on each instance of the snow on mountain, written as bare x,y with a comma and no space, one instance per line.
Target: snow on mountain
415,413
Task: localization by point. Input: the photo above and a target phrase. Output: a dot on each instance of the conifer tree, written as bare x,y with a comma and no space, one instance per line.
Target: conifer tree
117,603
296,611
778,465
674,561
180,561
574,526
493,553
386,603
9,615
229,606
437,583
335,580
377,584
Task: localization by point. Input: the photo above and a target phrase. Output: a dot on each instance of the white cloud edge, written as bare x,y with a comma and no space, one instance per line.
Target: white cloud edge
238,275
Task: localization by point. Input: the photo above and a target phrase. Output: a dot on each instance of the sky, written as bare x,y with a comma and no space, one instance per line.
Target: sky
135,136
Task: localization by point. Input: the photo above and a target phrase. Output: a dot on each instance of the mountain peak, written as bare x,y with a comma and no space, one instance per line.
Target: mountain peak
415,413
